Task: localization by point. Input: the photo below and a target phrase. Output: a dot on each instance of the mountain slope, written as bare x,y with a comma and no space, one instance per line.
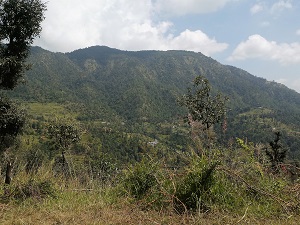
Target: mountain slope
135,87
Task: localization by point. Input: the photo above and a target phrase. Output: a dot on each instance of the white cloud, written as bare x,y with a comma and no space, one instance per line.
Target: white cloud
298,32
256,8
258,47
274,8
182,7
281,5
197,41
122,24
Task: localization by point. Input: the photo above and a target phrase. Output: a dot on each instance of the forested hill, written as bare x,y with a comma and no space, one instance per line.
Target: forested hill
134,87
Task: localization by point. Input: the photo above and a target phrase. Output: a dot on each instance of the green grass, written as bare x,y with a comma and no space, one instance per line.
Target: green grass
50,111
239,190
75,203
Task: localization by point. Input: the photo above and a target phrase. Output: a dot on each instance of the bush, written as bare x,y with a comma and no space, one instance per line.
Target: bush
193,189
30,189
139,179
102,167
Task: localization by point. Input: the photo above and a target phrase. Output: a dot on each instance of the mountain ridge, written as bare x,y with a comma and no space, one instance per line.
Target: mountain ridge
143,86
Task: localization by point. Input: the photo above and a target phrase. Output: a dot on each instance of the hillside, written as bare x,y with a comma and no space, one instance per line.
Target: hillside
133,88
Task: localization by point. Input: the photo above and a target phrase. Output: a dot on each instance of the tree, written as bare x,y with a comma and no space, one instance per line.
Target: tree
276,153
202,106
20,23
12,120
64,136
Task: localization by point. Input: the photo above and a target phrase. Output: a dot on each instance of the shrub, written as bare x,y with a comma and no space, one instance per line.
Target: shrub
34,160
140,178
193,189
30,189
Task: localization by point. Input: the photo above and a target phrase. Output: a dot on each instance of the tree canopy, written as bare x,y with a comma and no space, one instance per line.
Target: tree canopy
12,120
202,105
20,23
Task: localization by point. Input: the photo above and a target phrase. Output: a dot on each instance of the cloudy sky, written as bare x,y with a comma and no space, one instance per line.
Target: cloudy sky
259,36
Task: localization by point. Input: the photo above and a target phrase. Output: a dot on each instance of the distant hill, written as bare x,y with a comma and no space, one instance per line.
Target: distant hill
134,87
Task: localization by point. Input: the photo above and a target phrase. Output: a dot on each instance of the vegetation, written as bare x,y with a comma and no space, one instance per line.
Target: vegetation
63,136
20,23
276,154
231,186
203,107
12,120
137,91
136,158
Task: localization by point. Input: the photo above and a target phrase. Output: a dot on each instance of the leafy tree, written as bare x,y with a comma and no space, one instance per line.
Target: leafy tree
202,105
64,136
12,120
20,23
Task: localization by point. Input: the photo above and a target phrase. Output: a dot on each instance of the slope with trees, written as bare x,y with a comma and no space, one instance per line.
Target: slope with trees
142,88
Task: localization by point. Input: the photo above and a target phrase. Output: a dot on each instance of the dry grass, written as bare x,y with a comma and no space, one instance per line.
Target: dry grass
94,207
81,204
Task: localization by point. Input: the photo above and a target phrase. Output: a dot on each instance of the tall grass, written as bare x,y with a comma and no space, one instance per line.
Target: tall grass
221,186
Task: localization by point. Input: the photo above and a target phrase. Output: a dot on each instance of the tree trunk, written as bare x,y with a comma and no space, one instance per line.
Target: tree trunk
8,171
64,161
65,165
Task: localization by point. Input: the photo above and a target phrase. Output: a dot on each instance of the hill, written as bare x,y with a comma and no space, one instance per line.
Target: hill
130,89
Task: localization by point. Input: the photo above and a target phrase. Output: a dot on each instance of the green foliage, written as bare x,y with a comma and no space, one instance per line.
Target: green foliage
34,189
202,106
277,153
141,178
129,89
20,23
102,167
193,191
34,159
63,134
12,121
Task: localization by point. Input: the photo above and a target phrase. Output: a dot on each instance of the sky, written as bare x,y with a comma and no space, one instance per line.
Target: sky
259,36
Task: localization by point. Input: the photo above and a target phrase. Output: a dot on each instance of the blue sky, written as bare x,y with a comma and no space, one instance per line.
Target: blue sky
259,36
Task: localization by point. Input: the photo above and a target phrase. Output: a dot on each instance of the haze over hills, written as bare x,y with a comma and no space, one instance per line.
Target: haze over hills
136,87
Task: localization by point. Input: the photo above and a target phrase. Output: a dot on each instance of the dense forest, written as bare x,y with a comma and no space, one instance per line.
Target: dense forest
138,92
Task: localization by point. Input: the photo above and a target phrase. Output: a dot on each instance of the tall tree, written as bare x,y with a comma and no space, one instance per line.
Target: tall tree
12,120
20,24
203,106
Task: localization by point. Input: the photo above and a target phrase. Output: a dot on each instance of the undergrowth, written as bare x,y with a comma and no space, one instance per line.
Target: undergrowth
229,182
